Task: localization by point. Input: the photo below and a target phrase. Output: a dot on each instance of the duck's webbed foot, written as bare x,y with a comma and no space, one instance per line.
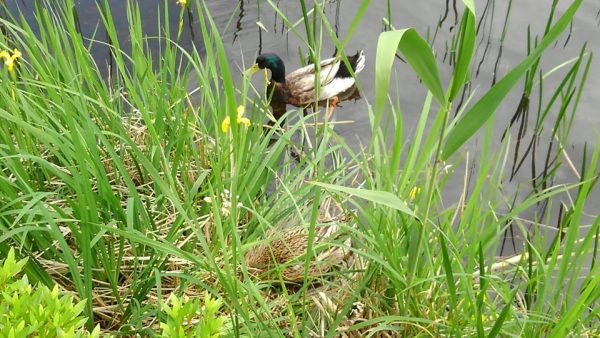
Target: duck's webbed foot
333,102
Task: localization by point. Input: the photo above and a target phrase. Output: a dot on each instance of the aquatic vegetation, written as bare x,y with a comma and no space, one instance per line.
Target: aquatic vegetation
149,193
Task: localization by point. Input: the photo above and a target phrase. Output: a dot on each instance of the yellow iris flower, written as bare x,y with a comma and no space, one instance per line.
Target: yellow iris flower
226,124
413,192
182,3
9,60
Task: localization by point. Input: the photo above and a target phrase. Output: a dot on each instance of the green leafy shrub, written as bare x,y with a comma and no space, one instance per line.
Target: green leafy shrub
27,311
182,317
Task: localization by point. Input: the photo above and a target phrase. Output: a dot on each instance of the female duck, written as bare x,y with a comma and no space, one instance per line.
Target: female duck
286,249
298,87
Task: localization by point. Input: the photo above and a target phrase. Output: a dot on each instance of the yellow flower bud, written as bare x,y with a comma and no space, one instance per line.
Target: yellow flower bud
225,125
413,192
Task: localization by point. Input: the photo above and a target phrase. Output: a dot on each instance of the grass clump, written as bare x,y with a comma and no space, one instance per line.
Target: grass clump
131,193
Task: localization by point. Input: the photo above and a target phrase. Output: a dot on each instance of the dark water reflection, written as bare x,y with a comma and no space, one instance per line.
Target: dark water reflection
252,27
88,13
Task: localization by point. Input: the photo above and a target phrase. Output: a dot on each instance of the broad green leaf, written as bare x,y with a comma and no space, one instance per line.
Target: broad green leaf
416,52
379,197
474,119
470,5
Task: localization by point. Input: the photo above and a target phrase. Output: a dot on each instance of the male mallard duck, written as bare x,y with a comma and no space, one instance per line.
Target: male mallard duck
287,248
298,87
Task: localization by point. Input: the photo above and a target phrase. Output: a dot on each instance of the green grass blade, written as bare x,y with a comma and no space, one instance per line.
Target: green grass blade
379,197
465,53
503,315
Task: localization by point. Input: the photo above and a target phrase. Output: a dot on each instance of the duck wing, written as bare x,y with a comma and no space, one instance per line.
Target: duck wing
343,80
335,78
304,78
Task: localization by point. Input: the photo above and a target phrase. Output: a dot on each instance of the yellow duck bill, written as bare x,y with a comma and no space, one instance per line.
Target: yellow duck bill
252,70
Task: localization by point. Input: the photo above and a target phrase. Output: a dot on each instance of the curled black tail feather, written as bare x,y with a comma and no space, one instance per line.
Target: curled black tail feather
356,62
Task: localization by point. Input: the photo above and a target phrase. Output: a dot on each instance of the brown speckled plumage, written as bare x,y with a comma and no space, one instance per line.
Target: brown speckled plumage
286,248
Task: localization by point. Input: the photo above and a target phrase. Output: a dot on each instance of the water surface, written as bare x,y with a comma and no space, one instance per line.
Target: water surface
252,27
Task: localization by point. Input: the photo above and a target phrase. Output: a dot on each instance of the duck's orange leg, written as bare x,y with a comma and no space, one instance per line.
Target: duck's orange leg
333,102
